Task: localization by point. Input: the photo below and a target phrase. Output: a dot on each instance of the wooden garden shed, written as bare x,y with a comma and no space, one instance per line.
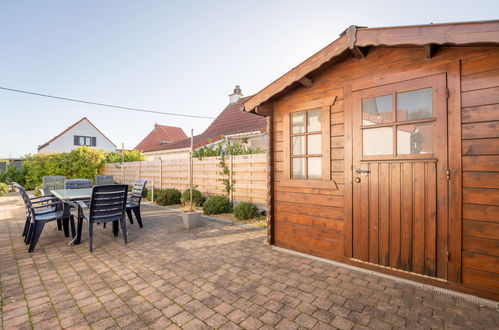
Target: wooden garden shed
384,153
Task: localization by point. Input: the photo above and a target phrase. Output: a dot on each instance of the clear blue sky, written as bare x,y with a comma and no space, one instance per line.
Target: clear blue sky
174,56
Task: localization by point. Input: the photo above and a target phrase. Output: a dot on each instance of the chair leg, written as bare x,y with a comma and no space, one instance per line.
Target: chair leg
115,228
72,224
29,235
59,224
129,214
65,226
104,225
80,228
26,226
136,211
36,234
90,236
123,229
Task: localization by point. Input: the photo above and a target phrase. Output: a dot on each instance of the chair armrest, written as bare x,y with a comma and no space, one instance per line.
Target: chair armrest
47,205
43,196
81,204
47,198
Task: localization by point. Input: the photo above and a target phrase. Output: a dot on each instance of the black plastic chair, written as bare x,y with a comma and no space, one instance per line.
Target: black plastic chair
50,183
77,183
134,203
39,216
107,204
102,180
45,204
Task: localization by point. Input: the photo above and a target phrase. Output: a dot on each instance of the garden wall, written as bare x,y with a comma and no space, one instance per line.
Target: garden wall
248,172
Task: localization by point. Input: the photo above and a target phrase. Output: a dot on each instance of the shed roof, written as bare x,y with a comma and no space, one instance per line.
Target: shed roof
154,141
355,38
232,120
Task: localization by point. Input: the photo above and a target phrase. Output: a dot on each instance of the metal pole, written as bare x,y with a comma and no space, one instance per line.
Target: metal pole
122,163
190,169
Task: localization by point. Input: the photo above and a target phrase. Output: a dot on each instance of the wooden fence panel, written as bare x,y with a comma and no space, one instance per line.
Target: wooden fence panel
248,172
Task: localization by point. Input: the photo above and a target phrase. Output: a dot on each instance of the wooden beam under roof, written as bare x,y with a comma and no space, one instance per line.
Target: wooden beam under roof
430,50
306,82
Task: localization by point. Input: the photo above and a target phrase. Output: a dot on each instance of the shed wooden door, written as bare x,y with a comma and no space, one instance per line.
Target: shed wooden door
400,176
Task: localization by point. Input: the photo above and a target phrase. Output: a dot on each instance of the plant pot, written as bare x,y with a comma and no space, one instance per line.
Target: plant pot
192,219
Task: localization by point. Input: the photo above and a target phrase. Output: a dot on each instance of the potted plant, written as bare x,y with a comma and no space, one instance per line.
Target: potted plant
191,217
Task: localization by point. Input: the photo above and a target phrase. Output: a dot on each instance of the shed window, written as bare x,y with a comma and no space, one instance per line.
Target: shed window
398,124
306,144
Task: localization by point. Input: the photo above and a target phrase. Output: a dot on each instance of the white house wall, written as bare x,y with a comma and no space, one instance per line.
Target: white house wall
65,142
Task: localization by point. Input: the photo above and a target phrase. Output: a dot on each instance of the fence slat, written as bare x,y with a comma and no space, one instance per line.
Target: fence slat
249,173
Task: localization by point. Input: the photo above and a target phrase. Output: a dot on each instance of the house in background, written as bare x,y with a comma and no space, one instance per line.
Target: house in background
81,133
233,124
153,145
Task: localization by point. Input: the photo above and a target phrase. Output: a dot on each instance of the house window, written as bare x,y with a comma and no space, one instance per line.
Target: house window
306,146
85,141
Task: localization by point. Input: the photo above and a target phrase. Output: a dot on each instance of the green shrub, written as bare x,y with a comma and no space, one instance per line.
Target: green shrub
245,211
168,197
13,175
80,163
117,157
197,197
216,205
4,188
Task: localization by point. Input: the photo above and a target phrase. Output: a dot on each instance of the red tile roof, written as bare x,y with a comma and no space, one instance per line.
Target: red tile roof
70,127
160,133
232,120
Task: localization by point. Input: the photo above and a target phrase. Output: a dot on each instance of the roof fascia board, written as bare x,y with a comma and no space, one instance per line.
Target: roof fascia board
466,33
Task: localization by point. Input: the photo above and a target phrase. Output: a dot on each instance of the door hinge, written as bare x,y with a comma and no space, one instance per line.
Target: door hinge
448,174
446,93
447,253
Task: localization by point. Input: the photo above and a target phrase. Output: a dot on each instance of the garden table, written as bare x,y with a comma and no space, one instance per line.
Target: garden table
69,196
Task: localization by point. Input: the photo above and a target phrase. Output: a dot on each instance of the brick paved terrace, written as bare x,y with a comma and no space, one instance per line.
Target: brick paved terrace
216,276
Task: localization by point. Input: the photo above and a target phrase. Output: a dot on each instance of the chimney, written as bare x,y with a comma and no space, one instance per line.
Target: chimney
234,97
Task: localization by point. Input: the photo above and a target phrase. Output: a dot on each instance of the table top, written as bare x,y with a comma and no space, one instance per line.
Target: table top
69,194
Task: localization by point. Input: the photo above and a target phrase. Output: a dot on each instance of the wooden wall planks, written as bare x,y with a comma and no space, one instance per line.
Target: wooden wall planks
480,148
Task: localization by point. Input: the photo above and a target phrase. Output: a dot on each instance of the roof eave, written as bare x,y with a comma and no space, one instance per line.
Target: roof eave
456,34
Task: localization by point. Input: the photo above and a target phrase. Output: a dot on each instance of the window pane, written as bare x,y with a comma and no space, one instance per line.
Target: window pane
313,121
82,140
377,141
314,144
415,139
298,123
314,167
298,147
377,110
414,105
298,168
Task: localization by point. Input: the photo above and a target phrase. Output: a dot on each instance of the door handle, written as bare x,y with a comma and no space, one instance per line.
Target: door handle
358,170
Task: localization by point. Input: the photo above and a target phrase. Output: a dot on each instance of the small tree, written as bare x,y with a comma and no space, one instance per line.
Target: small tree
223,149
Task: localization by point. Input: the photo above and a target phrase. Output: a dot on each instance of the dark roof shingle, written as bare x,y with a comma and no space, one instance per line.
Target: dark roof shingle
232,120
160,133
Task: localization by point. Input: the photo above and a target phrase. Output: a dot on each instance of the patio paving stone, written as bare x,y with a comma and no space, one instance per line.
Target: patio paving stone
219,276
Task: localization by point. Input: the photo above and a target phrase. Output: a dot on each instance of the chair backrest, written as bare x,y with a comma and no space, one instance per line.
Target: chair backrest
52,183
101,180
108,203
137,190
24,195
77,183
